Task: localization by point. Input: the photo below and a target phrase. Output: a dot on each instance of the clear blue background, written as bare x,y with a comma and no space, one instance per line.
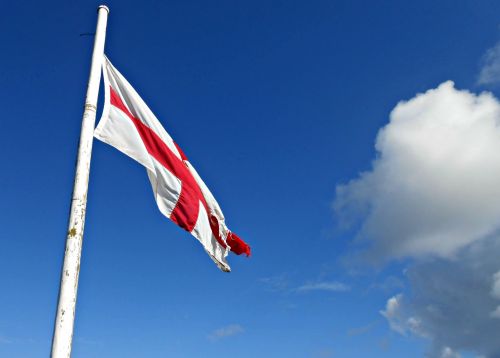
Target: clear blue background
275,103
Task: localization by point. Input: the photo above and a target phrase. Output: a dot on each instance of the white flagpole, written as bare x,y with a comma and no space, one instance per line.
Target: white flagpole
63,330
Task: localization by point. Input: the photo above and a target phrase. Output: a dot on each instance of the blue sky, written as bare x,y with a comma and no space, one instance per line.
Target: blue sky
278,105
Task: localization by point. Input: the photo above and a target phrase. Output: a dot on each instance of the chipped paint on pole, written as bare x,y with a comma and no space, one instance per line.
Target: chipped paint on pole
65,316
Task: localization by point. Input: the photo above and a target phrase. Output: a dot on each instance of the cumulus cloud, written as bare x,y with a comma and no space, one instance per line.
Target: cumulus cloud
452,303
434,185
393,314
398,317
490,69
433,195
227,331
334,286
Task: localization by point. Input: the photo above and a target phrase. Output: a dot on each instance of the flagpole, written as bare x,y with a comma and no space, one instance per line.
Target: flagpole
63,328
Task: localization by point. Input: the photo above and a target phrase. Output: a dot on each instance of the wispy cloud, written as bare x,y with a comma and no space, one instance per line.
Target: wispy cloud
490,69
227,331
333,286
281,283
276,283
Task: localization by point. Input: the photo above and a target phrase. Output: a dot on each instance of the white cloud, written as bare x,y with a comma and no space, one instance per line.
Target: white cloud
398,318
434,185
393,314
324,286
281,283
452,302
490,69
227,331
433,195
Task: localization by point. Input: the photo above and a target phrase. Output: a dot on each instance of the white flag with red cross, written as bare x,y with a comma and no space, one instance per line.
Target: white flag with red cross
129,125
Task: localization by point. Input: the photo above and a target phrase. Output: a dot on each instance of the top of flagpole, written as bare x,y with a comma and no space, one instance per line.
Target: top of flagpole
103,7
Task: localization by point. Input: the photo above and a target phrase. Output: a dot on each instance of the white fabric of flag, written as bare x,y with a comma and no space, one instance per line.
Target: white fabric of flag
131,127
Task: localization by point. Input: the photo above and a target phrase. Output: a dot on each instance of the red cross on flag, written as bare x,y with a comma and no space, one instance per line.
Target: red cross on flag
129,125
